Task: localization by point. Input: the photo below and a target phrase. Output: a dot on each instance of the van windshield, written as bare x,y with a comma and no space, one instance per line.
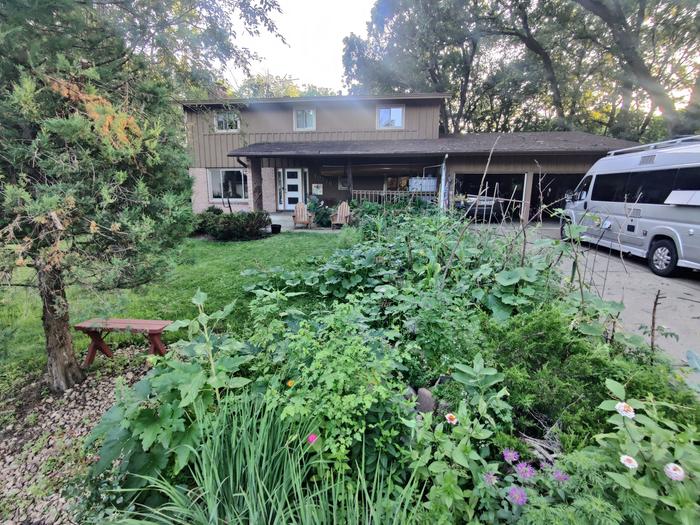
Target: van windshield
581,191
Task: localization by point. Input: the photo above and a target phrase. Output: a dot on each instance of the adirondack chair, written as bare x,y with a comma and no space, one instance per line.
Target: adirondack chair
302,215
341,215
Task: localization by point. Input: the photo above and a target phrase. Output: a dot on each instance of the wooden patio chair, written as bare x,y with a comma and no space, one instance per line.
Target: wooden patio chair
342,215
302,215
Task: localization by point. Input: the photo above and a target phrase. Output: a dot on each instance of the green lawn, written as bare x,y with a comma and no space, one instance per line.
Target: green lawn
211,266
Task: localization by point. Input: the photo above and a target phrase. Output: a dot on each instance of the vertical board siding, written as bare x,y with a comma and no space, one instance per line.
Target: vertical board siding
273,123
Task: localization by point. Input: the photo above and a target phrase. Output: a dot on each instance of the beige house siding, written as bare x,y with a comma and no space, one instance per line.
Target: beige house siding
559,164
335,121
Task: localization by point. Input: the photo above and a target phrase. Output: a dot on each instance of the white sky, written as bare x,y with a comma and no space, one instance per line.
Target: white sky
314,31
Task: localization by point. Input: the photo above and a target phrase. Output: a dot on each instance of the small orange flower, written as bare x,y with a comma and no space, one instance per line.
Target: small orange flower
290,383
93,227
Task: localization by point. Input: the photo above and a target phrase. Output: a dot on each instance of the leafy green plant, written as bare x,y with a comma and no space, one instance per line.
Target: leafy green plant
344,378
240,226
153,426
653,461
322,213
205,222
488,403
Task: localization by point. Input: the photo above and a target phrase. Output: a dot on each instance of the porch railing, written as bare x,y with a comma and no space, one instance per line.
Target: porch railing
389,196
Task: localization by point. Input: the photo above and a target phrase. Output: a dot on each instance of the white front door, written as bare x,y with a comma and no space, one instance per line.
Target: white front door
292,186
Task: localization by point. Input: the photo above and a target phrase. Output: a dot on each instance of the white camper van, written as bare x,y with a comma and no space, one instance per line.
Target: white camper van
645,201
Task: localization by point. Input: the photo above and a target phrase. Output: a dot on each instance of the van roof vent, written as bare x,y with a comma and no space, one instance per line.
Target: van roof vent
646,160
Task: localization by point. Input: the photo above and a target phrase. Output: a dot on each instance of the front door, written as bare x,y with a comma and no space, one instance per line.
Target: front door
292,182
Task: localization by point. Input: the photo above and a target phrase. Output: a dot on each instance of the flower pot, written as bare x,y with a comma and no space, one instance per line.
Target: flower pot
275,228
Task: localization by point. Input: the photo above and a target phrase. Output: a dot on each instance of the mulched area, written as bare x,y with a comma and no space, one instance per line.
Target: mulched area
43,450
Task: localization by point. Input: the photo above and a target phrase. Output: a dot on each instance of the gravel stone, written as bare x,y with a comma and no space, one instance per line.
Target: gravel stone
50,439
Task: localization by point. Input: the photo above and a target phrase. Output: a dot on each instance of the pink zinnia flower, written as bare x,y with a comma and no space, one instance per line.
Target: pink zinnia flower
517,496
629,462
490,478
510,455
451,418
674,471
625,410
561,477
525,470
312,438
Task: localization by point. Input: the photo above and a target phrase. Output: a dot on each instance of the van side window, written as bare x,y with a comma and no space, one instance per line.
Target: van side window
581,191
610,187
688,179
650,187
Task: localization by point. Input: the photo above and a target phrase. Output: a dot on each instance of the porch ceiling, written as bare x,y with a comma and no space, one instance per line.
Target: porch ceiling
523,143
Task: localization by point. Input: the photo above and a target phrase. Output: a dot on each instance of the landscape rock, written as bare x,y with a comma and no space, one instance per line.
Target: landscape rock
425,401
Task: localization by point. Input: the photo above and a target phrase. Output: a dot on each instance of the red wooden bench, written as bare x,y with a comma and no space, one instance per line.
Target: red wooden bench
94,328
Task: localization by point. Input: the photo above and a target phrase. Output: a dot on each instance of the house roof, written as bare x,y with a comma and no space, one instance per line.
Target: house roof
519,143
314,99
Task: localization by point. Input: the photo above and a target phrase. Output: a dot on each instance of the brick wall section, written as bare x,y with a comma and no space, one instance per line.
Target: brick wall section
200,193
269,197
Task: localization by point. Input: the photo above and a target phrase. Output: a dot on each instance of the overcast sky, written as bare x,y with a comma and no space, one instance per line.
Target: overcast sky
314,30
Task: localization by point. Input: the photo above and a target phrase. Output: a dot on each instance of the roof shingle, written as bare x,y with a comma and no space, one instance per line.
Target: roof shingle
540,142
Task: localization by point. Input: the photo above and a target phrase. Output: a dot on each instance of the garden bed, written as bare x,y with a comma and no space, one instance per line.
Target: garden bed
542,411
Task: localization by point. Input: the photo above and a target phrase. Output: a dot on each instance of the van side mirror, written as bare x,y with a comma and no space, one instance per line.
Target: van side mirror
569,196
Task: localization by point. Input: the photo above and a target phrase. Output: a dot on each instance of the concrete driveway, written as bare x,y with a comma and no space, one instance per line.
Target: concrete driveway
629,279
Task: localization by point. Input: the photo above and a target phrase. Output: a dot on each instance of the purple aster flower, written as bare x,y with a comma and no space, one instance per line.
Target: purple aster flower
524,470
561,477
510,455
490,478
517,496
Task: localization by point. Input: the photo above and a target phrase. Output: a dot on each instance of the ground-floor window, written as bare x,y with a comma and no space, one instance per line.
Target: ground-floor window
227,183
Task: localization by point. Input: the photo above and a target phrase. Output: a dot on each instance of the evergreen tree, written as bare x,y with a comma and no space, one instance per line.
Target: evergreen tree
93,172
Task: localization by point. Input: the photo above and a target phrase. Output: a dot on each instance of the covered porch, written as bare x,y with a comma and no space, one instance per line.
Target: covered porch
286,181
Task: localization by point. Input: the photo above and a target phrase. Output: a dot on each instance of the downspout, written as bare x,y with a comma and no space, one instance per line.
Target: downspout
443,196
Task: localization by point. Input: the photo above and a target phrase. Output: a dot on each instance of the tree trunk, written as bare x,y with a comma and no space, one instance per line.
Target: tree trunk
64,371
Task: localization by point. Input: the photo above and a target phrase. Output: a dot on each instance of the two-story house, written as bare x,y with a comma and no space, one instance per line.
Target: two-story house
273,153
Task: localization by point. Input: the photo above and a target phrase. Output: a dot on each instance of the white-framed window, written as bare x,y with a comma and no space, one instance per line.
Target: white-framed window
227,122
304,119
228,184
390,117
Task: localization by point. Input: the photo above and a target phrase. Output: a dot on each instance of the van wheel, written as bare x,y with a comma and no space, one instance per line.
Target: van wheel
663,257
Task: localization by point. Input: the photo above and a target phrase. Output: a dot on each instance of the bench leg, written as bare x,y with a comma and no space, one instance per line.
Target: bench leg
156,345
96,343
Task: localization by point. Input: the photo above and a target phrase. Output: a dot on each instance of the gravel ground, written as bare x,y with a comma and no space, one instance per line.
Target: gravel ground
42,452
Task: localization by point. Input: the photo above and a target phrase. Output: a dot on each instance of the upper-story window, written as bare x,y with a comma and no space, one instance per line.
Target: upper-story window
227,121
390,117
304,119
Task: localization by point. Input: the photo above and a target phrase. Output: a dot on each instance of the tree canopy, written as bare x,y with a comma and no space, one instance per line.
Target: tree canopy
628,68
277,86
93,170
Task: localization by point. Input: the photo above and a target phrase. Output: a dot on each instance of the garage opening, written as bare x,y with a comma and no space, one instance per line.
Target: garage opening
501,195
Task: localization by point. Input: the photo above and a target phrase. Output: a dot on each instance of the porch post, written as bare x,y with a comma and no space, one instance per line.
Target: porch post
256,183
529,179
348,174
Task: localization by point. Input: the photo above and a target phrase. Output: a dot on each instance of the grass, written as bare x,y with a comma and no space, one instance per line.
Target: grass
210,266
